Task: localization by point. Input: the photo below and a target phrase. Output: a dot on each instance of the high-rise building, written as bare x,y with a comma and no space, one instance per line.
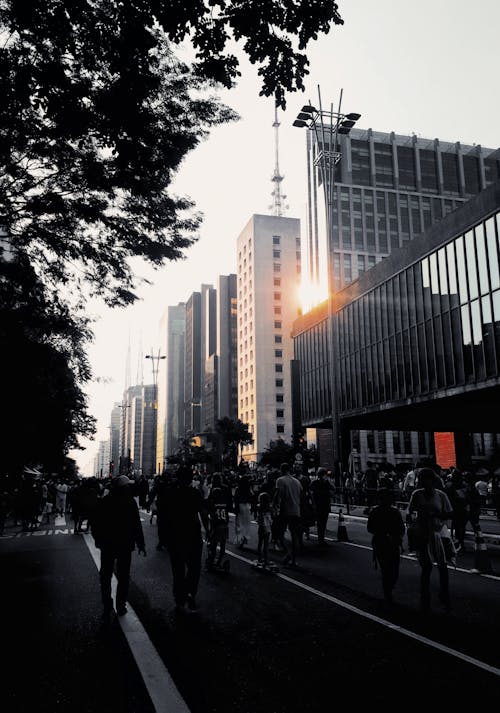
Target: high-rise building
227,347
208,358
147,462
388,189
102,460
269,273
114,436
192,365
170,427
128,441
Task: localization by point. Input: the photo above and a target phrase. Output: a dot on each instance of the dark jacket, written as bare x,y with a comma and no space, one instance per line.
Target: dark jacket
116,524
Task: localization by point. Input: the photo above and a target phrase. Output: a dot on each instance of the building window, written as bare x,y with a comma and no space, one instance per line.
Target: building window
277,254
277,325
297,242
276,267
278,353
277,295
279,398
277,281
278,368
280,413
280,428
279,383
298,256
277,310
278,339
276,239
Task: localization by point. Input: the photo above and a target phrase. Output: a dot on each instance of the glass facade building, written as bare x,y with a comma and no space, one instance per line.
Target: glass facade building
416,340
431,327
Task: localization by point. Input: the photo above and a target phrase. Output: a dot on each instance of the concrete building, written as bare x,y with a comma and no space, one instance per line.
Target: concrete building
170,415
114,436
269,273
208,358
102,460
147,461
227,346
192,365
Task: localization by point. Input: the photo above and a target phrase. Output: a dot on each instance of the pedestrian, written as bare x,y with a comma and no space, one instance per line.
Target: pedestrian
370,484
183,507
117,531
219,504
264,523
456,490
61,493
286,501
157,499
482,485
433,509
386,525
322,492
243,498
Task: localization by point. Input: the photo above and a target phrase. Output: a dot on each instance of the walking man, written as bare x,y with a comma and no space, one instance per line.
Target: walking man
117,530
386,525
322,491
183,508
287,498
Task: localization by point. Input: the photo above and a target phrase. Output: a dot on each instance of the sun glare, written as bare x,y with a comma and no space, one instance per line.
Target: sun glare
311,294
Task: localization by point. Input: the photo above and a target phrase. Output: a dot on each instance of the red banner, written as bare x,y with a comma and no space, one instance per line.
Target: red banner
445,449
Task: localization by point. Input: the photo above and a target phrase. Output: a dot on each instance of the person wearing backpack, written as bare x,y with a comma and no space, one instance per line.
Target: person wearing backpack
386,525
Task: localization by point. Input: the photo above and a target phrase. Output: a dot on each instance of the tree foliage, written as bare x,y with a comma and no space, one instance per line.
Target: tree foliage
234,435
97,115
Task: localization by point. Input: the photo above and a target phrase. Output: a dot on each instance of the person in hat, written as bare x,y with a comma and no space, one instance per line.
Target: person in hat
117,531
387,527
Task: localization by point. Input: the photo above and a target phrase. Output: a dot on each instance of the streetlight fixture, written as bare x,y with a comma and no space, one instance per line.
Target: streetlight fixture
326,125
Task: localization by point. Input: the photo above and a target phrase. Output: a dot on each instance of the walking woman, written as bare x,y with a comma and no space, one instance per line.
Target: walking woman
433,509
243,498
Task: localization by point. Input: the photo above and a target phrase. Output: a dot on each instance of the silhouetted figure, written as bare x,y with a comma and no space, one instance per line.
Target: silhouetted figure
117,530
386,525
322,491
183,507
286,501
433,509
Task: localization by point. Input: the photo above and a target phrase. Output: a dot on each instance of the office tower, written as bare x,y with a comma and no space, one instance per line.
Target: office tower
227,347
208,358
269,265
388,189
114,436
192,365
147,462
127,439
170,426
102,460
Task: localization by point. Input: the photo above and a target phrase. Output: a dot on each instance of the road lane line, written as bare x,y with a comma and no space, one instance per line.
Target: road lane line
160,686
383,622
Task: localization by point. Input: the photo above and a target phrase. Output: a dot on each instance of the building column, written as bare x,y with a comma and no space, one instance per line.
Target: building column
418,172
463,449
371,149
482,172
461,173
439,166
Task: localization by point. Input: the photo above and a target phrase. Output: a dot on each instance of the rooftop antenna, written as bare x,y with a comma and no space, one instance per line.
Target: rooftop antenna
278,206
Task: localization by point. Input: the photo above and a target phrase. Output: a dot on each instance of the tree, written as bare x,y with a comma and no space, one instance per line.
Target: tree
278,452
189,454
97,115
234,435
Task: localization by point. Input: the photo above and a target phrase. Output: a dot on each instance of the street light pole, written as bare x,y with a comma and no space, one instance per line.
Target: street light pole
326,126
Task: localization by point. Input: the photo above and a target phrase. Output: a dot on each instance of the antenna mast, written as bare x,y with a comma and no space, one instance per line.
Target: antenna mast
278,206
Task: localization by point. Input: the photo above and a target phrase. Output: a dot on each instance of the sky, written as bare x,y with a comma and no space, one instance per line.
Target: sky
428,67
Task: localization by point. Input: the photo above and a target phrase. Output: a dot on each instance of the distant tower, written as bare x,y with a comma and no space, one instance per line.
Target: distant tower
278,206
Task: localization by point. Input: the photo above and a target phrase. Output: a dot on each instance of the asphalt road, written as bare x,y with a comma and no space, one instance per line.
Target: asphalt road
304,640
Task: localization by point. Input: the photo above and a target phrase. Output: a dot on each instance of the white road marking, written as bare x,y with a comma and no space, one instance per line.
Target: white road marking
159,684
382,622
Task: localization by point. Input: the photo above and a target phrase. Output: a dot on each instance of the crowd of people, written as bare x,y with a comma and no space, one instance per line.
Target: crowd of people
280,500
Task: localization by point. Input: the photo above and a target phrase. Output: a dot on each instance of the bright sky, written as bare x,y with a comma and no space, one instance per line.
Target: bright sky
428,67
